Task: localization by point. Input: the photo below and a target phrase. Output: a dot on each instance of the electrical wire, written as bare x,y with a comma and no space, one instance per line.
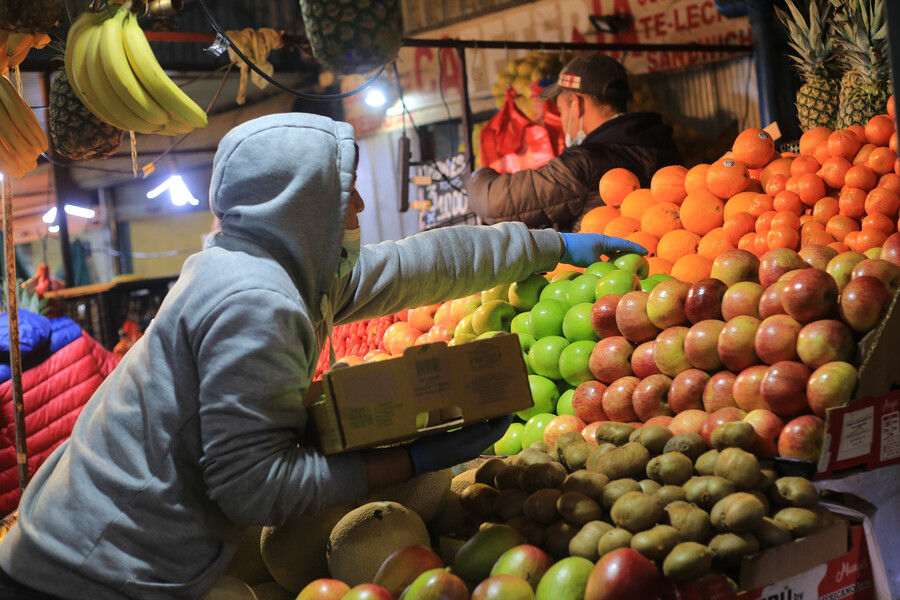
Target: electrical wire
317,97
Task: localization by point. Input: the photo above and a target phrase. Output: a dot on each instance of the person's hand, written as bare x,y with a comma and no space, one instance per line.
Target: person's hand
443,450
584,249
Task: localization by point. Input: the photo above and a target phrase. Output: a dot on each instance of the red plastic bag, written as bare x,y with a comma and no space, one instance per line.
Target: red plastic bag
510,141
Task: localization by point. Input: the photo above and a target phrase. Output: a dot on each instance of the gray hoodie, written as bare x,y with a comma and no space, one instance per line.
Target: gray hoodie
194,436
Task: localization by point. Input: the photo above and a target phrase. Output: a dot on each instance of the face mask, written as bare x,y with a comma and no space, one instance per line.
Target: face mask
579,137
350,247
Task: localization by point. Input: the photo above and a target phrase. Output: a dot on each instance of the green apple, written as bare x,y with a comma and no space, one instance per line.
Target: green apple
521,323
660,276
534,428
525,294
526,341
511,442
498,292
619,281
544,356
573,362
547,318
565,275
582,289
648,284
544,395
463,338
564,404
464,327
635,263
495,315
873,252
600,268
527,362
556,290
576,323
489,334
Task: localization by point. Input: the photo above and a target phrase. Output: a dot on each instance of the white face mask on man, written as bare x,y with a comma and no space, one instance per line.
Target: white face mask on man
350,248
579,137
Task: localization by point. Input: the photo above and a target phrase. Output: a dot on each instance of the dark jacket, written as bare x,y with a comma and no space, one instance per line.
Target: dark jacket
559,193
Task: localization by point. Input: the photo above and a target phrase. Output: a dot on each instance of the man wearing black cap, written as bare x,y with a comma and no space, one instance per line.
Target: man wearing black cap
591,94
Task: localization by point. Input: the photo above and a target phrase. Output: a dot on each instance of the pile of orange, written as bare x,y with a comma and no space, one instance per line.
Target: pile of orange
842,190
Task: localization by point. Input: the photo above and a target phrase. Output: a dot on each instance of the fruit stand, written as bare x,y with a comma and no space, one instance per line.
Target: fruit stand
714,419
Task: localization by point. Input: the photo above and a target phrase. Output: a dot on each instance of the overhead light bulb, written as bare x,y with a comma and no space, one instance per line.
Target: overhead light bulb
179,193
49,216
375,98
78,211
53,228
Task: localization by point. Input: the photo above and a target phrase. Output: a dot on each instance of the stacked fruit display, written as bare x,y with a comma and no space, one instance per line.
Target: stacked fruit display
23,140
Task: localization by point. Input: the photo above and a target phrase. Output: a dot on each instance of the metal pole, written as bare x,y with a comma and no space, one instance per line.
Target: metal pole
15,352
573,46
466,108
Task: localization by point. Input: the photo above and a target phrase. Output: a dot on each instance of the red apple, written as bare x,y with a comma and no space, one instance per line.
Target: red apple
776,339
714,419
701,345
587,401
611,359
686,392
689,421
825,341
460,307
890,250
862,303
664,420
444,316
503,586
817,255
324,589
440,332
632,319
422,317
841,267
719,391
886,271
742,299
746,388
830,386
603,316
650,397
623,574
770,302
767,426
368,591
734,266
668,351
783,389
775,263
403,339
665,305
642,362
590,431
617,400
560,425
704,300
811,294
802,438
403,566
736,341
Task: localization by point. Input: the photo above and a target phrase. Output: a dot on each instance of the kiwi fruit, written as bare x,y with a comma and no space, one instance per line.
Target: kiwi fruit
625,462
614,432
636,511
584,544
687,560
670,468
588,483
799,521
648,486
692,523
578,508
733,434
794,491
542,446
772,533
542,476
613,490
739,467
706,490
508,477
740,512
510,503
541,506
653,437
478,499
530,456
488,470
689,444
670,493
729,548
576,455
557,537
706,462
613,540
566,440
656,542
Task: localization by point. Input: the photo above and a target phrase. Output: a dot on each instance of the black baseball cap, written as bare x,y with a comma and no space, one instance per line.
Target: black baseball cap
595,74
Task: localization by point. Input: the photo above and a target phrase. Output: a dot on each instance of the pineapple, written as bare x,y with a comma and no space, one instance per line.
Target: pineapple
76,132
29,16
865,85
817,97
353,36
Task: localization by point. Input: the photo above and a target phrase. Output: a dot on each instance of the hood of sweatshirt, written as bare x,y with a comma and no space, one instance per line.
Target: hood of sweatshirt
282,183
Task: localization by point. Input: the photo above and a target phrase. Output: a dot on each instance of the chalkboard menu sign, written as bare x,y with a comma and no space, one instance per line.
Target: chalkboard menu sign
443,201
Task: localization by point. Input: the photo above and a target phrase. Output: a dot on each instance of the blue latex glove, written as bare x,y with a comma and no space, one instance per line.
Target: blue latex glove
584,249
444,450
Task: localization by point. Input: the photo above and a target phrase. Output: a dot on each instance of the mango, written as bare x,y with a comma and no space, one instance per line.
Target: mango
565,580
503,587
402,567
437,584
525,561
475,558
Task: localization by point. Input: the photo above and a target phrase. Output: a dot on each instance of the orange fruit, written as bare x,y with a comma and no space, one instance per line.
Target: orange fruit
596,219
833,171
792,183
839,246
878,221
807,218
844,142
862,177
879,130
850,239
676,244
764,221
616,184
810,188
779,166
644,239
821,152
737,226
714,243
748,242
815,237
691,268
812,138
859,131
852,202
824,209
892,144
804,164
782,237
702,212
775,184
890,107
889,180
761,204
881,160
760,244
667,184
754,148
839,226
738,203
636,203
789,201
726,178
810,225
659,265
661,218
695,180
622,226
882,200
787,219
863,155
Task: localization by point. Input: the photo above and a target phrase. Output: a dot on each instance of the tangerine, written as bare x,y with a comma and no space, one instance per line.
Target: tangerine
839,226
695,180
737,226
644,239
879,130
760,244
862,177
748,242
881,160
810,187
738,203
761,204
764,221
661,218
779,166
787,219
825,208
775,184
863,155
714,243
833,171
617,183
702,212
852,202
839,246
789,201
850,239
728,177
815,237
878,221
882,200
804,163
621,226
782,237
691,268
658,265
843,142
821,152
890,181
890,107
892,144
596,219
754,148
667,184
675,244
636,203
812,138
859,131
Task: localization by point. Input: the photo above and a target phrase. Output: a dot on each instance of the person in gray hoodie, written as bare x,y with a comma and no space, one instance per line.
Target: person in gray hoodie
195,435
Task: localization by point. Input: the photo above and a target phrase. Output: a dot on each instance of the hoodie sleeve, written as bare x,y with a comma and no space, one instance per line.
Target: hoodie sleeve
253,362
443,264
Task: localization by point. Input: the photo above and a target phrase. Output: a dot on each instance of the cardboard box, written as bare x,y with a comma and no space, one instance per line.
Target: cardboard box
376,404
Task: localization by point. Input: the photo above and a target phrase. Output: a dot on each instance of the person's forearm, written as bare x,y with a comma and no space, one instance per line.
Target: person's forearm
386,467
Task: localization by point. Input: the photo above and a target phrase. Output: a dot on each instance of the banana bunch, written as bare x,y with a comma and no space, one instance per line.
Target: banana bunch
22,138
14,47
113,71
